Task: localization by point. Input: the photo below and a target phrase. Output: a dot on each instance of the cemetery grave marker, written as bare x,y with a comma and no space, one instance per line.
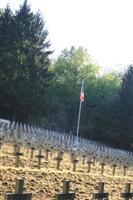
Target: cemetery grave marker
102,167
59,158
127,194
28,146
1,142
94,161
66,195
89,166
47,154
15,148
32,152
39,156
19,194
114,169
125,170
75,161
51,151
101,194
72,155
84,156
17,154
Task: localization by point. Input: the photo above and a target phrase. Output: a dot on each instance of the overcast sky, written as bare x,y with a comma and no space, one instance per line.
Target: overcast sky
104,27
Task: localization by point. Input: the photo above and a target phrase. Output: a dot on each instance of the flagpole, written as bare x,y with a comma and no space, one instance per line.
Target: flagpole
78,121
80,106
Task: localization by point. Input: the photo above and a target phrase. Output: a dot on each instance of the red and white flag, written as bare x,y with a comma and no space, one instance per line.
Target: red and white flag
82,96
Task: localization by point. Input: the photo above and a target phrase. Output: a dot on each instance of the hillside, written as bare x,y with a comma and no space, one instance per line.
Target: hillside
44,183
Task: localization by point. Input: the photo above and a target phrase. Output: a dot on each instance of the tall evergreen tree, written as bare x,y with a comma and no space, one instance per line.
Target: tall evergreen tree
126,108
29,60
7,60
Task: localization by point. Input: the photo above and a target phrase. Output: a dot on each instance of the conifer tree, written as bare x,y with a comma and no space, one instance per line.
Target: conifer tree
7,60
25,53
126,107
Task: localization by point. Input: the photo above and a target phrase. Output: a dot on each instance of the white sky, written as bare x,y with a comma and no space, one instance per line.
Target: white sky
104,27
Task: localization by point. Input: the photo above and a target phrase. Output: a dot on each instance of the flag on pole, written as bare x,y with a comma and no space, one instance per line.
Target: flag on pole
82,96
80,105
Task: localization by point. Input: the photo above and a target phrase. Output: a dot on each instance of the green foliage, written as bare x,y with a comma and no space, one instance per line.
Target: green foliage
100,108
74,65
126,108
24,63
70,68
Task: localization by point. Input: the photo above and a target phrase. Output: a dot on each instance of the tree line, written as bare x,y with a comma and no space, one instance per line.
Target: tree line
38,90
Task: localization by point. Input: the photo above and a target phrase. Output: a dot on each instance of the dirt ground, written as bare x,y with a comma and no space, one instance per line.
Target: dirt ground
44,183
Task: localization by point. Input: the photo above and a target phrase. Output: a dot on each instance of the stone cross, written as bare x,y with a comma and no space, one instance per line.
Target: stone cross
1,142
59,158
75,161
125,170
17,154
32,152
114,168
94,161
39,156
47,154
102,167
127,194
66,195
84,156
89,166
19,194
101,194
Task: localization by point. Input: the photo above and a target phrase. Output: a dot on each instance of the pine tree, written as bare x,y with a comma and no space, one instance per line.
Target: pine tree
126,107
7,60
25,42
33,60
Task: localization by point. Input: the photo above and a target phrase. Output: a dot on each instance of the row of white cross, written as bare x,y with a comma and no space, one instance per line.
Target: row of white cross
42,138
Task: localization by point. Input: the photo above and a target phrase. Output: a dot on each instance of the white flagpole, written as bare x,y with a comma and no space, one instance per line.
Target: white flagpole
80,105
